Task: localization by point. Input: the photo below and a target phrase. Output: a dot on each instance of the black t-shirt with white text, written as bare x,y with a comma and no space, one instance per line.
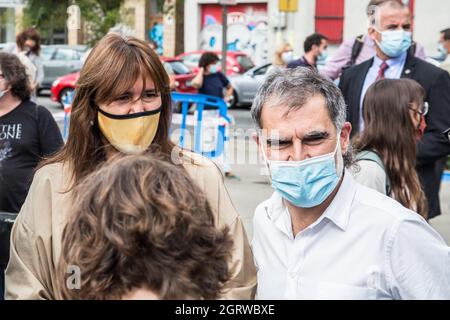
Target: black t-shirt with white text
27,134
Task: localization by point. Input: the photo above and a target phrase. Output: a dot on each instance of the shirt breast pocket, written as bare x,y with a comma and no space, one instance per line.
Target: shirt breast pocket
335,291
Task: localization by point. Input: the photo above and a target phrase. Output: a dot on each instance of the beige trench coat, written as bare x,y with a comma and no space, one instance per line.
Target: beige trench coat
36,234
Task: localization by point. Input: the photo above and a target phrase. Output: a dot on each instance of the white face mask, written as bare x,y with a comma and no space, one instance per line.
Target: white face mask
287,56
3,92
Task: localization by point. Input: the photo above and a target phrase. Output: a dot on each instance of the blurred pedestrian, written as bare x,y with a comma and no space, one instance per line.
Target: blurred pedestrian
315,47
28,133
122,105
444,48
169,247
210,81
30,43
394,113
391,31
361,48
282,56
322,235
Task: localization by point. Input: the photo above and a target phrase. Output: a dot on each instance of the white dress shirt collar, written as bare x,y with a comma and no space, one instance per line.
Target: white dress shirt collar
337,212
393,62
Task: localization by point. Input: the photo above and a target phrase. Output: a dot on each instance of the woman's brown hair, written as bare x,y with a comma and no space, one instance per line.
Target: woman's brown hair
389,130
32,34
141,222
15,74
111,68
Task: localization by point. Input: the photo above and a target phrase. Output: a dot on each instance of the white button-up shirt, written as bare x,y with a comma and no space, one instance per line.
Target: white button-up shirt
364,246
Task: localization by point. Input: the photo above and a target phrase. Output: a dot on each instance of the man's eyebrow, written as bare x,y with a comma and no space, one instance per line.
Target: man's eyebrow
392,25
316,135
277,140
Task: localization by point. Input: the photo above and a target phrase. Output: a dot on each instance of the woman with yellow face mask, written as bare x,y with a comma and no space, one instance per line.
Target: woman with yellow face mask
122,105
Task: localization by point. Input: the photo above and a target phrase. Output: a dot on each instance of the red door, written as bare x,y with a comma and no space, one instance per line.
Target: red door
330,19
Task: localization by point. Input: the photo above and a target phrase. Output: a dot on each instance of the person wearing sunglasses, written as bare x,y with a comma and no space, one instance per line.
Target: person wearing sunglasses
394,116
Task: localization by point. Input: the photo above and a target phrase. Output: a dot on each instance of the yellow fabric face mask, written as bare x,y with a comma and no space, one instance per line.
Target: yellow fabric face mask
130,133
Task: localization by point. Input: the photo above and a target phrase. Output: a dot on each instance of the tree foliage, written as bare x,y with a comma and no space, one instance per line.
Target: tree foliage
50,16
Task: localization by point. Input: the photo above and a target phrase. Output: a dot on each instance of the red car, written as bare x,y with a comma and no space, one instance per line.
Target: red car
180,73
237,62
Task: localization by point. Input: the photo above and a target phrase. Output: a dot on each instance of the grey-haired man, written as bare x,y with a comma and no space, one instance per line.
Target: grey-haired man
321,235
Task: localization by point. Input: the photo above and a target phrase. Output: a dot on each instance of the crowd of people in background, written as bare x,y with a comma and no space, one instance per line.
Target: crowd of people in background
355,152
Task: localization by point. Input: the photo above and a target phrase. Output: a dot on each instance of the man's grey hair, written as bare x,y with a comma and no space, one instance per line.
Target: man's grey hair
292,88
373,9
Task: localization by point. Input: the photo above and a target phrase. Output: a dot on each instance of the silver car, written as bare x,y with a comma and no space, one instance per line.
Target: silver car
246,85
60,60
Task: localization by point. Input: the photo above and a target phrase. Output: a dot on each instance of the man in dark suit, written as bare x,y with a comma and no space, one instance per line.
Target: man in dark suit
390,27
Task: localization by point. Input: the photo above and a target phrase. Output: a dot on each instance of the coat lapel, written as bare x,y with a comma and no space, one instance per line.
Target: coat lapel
409,68
359,84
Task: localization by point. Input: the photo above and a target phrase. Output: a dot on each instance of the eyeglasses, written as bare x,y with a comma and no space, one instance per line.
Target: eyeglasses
423,111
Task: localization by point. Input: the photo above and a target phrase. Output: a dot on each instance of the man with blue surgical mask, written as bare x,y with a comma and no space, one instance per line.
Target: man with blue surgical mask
321,235
315,47
444,49
390,28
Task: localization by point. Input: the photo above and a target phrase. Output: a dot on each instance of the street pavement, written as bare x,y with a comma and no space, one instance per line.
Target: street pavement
253,186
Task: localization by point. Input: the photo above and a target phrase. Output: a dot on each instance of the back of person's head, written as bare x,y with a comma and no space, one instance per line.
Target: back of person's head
141,223
387,103
314,39
14,73
446,33
389,130
208,58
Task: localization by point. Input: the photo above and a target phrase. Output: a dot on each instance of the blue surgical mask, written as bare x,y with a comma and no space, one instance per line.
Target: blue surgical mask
442,49
307,183
394,42
323,56
213,68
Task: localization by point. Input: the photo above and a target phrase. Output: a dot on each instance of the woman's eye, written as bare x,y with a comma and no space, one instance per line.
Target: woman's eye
122,98
149,95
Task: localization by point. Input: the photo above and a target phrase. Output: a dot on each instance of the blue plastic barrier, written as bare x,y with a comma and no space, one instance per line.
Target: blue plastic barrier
201,100
67,103
446,176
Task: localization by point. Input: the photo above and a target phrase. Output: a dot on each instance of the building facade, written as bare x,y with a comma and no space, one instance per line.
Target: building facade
10,18
257,26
